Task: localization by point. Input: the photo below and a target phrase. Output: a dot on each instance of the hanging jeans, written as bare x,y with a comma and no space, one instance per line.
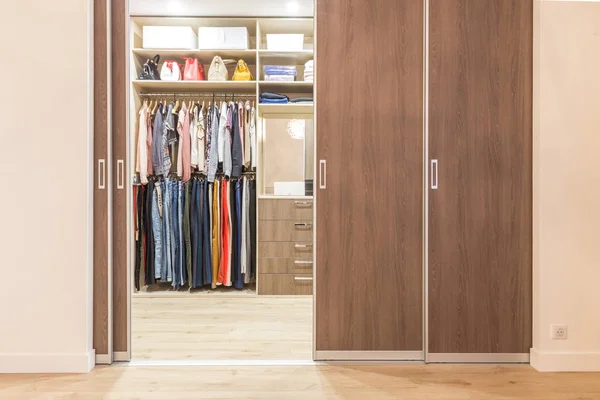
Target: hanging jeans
149,276
198,263
207,242
186,231
167,268
193,232
182,266
239,282
175,230
158,229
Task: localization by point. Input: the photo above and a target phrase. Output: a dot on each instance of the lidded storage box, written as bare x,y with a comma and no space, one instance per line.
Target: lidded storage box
169,37
217,38
285,41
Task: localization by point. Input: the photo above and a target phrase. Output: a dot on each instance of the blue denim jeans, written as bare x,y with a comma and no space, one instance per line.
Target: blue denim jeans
175,250
182,265
167,271
157,229
199,204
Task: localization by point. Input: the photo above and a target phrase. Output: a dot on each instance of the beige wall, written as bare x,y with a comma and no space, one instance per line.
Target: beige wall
566,184
283,155
45,158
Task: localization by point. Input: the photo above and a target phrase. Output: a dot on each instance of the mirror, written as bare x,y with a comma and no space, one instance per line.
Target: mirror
288,157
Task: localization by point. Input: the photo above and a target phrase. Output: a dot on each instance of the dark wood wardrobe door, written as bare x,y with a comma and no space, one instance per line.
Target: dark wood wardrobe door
480,221
120,179
369,115
102,307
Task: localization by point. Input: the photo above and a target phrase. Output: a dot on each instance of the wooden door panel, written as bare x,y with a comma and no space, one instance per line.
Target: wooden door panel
480,131
102,311
369,218
120,178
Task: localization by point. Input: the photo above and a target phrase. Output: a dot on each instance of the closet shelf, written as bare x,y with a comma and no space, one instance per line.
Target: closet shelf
195,86
286,87
299,56
285,109
205,56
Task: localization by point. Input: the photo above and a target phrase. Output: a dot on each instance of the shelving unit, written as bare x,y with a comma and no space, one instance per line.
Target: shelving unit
286,87
297,56
285,109
195,86
204,56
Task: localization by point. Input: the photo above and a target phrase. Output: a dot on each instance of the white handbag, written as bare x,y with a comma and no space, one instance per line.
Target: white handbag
170,71
218,70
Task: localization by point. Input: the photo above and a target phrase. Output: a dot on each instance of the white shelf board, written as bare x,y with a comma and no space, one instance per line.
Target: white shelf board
286,87
204,56
285,109
195,86
297,56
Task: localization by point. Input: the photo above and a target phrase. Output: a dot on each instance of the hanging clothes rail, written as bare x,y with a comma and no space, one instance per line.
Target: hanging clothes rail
206,95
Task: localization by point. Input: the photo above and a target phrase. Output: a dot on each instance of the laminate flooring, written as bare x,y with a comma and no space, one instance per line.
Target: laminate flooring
237,327
432,382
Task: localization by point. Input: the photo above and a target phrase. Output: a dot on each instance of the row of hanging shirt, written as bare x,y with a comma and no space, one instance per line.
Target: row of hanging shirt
196,138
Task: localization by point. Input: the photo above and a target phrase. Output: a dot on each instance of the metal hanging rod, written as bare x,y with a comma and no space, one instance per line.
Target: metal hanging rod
207,95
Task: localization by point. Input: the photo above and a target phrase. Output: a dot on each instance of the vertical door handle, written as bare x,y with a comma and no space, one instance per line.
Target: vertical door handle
323,174
434,174
101,174
120,174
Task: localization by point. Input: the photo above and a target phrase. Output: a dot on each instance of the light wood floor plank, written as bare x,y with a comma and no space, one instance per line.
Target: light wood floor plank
431,382
217,328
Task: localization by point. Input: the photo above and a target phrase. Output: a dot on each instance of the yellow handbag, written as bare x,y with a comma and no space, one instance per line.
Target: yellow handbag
242,73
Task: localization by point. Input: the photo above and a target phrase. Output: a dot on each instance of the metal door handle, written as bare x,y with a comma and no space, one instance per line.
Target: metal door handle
303,246
302,225
434,174
303,262
302,278
303,203
101,174
120,174
323,174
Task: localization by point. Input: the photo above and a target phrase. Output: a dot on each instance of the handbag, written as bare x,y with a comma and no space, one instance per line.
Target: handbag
242,73
218,70
170,71
193,70
150,70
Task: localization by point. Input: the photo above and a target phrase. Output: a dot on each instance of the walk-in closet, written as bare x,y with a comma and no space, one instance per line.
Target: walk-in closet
299,180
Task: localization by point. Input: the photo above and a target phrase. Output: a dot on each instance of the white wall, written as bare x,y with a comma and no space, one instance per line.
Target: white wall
566,184
45,299
229,8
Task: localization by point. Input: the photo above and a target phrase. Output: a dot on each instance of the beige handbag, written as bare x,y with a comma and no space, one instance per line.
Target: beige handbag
218,70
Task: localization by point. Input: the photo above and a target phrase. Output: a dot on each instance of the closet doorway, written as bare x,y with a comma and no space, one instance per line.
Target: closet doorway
220,242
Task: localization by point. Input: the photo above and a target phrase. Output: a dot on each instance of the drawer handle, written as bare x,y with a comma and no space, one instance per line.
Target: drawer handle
303,203
303,246
302,278
303,225
303,262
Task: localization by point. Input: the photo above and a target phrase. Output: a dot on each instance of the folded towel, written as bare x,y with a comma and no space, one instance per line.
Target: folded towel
273,101
280,78
273,96
280,70
309,64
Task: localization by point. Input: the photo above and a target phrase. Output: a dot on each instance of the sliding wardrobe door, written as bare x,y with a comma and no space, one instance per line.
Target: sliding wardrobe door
369,120
480,196
119,148
102,189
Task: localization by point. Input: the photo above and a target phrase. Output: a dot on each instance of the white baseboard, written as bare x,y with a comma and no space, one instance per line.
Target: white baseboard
23,363
120,356
103,359
565,361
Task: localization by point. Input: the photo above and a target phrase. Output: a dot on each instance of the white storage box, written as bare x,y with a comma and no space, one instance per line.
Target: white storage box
286,41
169,37
289,188
213,38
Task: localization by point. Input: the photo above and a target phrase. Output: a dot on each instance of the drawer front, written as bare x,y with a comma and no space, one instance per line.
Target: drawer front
285,284
300,250
285,266
284,209
285,231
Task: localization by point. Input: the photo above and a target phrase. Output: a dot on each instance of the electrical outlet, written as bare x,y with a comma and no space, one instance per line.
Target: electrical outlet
559,332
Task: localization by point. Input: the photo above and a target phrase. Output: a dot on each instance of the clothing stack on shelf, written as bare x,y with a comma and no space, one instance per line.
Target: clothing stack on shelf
195,210
309,71
273,98
280,73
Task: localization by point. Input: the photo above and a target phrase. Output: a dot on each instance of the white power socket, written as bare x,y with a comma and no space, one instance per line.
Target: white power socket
559,332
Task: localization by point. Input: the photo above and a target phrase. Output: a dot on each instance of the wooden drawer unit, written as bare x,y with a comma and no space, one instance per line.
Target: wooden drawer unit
285,231
285,284
285,209
285,250
285,266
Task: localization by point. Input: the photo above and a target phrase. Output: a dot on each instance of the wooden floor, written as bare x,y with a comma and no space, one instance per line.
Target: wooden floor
198,327
306,382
